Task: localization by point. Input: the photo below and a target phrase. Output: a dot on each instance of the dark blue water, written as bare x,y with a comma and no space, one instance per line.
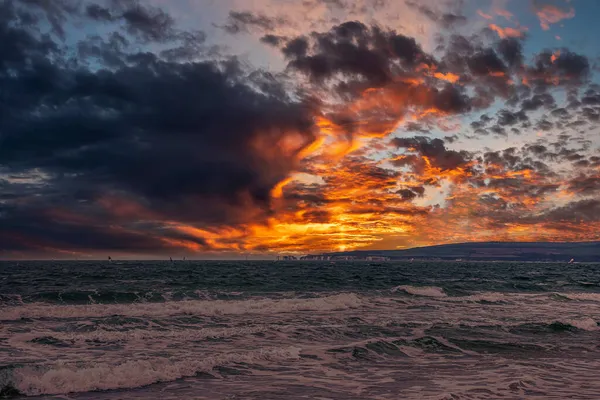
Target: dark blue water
80,282
286,330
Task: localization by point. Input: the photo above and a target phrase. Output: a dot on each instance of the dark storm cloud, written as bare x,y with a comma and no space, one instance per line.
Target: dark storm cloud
565,66
498,71
590,114
308,194
486,62
578,211
296,48
197,142
445,19
273,40
171,136
511,50
435,150
538,149
506,158
55,12
484,119
537,101
353,57
585,184
246,21
530,157
146,23
506,117
116,141
352,48
43,231
591,97
451,100
544,125
561,113
98,13
415,127
408,194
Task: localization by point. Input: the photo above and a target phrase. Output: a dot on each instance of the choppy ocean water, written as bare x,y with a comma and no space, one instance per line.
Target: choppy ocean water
299,330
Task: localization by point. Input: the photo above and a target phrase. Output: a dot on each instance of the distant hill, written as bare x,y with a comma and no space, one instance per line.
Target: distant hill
492,251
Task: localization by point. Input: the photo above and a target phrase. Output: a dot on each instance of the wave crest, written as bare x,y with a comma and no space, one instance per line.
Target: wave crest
191,307
63,379
425,291
581,296
585,324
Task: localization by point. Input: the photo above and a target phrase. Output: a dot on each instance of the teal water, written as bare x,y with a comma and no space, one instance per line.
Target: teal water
287,330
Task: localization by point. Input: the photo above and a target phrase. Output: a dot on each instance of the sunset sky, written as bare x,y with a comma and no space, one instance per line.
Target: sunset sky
212,128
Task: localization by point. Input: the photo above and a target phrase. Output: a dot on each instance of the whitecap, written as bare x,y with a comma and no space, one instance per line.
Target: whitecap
426,291
339,301
64,378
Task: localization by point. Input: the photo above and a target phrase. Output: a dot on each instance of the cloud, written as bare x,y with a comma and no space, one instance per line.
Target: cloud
352,48
566,68
551,14
147,23
144,137
447,20
585,185
577,211
538,100
508,32
246,21
486,62
167,135
511,50
484,15
435,151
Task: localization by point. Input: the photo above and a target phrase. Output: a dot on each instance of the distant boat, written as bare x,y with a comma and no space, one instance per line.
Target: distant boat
571,261
183,258
412,259
109,259
171,258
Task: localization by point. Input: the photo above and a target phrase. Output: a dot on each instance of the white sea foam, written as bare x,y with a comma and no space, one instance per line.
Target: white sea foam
62,379
581,296
190,307
490,297
586,324
174,336
426,291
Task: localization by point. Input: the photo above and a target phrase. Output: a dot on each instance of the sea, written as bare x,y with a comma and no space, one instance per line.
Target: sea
299,330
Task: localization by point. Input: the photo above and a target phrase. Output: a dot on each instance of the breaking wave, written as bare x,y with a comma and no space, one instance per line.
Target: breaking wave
63,379
425,291
581,296
191,307
175,336
585,324
556,326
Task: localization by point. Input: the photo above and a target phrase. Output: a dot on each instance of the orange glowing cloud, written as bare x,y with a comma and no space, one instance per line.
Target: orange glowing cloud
508,31
484,15
368,165
277,191
503,13
448,77
550,14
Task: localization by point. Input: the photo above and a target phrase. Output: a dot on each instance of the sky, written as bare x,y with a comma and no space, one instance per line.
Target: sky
216,129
